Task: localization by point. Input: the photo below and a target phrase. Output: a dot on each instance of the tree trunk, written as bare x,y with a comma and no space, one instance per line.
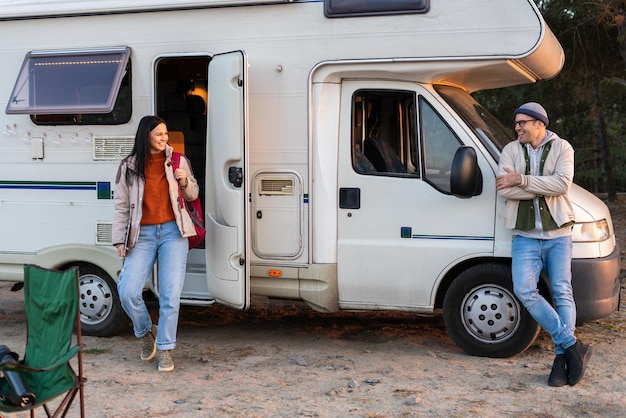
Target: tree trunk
621,31
604,146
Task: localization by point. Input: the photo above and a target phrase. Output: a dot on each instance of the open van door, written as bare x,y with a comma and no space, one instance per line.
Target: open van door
227,181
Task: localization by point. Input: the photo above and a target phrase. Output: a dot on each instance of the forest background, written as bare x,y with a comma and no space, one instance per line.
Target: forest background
586,101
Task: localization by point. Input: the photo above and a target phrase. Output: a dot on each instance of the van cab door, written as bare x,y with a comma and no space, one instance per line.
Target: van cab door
227,181
400,228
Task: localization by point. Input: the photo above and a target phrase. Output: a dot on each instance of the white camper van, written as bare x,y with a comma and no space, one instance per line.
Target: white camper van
342,159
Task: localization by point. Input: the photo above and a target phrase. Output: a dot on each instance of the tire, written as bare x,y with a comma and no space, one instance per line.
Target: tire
483,316
101,313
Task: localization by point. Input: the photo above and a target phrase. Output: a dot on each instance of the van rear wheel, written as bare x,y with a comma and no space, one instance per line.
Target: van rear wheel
483,316
101,313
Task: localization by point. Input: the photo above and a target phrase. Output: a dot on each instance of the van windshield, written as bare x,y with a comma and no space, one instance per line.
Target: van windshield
491,132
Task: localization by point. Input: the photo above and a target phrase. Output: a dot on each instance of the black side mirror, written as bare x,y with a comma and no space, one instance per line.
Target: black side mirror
466,179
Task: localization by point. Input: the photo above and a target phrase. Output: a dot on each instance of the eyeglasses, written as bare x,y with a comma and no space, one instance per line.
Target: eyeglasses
521,123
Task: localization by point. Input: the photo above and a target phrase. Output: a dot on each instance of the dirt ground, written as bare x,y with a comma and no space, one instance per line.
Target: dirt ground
281,359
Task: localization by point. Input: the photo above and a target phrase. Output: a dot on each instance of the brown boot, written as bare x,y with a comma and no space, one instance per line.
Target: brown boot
577,357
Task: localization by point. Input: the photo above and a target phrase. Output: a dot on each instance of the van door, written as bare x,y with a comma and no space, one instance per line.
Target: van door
399,226
227,181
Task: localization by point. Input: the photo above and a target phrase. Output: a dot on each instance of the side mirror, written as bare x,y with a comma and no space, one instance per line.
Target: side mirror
466,179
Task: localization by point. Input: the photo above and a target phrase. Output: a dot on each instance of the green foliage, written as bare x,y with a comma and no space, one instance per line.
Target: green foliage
589,90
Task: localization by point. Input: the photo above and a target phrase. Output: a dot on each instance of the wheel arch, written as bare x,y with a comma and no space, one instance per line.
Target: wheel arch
454,272
63,256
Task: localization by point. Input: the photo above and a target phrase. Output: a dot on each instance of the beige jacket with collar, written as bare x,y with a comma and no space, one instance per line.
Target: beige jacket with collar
128,200
554,183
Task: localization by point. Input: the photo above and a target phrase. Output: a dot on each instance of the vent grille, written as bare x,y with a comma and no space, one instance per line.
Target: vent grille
112,147
282,186
104,233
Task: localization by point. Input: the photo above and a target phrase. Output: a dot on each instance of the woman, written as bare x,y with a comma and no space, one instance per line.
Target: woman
150,225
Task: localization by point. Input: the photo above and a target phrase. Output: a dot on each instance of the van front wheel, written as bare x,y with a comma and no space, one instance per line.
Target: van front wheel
101,313
483,316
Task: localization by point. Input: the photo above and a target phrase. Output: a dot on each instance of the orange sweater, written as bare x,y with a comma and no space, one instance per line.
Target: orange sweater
157,208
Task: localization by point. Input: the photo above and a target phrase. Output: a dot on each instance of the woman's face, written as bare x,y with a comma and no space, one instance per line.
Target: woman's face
158,139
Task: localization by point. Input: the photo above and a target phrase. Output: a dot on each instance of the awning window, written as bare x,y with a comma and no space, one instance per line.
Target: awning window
68,82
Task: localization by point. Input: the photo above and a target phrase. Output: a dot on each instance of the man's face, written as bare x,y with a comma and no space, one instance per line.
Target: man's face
529,130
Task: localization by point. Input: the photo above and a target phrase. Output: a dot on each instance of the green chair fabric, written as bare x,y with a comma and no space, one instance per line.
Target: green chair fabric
51,302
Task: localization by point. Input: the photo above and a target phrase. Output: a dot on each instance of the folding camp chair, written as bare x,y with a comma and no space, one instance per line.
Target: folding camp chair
51,302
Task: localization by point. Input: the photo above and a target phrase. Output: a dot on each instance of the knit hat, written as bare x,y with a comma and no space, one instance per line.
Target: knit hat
534,110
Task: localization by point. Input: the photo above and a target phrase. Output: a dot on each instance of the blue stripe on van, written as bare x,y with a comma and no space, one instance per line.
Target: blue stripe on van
453,237
103,188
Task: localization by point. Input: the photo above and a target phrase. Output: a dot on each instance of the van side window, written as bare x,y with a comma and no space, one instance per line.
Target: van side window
439,146
349,8
383,132
121,113
74,87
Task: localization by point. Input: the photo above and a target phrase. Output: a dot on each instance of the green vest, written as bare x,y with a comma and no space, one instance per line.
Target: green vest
526,209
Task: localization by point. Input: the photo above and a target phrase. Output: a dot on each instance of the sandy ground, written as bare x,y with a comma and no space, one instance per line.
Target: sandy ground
281,359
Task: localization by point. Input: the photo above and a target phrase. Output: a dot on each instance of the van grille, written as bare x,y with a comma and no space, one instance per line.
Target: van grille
112,147
276,187
104,233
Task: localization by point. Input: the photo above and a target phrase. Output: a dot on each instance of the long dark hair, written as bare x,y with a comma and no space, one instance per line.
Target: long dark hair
141,149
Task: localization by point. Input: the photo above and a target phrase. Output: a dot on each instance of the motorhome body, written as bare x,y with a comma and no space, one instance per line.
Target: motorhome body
328,145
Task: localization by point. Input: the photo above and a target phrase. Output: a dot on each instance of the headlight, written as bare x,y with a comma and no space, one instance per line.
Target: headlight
591,231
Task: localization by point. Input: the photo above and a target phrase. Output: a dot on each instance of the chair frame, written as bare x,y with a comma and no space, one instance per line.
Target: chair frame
63,407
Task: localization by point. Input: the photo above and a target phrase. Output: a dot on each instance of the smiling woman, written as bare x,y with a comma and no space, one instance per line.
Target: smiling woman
150,225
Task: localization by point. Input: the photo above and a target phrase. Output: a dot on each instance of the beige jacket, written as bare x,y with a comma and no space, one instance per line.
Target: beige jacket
128,200
554,184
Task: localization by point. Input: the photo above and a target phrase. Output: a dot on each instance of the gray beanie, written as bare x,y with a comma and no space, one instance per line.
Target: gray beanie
534,110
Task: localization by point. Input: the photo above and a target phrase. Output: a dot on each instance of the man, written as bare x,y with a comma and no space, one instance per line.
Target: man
534,176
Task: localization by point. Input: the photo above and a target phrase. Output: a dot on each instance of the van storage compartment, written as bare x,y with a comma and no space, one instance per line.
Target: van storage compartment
277,215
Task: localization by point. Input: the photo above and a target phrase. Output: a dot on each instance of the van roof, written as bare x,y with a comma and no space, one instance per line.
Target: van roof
23,9
476,44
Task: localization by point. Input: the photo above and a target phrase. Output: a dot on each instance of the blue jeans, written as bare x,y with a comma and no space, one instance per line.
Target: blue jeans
162,242
530,256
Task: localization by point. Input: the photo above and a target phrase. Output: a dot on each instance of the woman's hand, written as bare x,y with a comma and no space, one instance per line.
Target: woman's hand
121,250
181,176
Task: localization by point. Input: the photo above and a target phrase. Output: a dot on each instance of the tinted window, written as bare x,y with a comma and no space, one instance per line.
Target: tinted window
487,128
69,82
383,132
121,113
440,144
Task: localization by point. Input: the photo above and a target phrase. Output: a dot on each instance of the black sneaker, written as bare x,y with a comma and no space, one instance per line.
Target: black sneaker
577,357
558,376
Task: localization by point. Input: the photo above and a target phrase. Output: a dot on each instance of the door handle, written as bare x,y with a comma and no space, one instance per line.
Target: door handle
349,198
235,176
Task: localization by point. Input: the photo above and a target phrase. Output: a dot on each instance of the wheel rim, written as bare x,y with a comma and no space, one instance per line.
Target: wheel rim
96,299
491,314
